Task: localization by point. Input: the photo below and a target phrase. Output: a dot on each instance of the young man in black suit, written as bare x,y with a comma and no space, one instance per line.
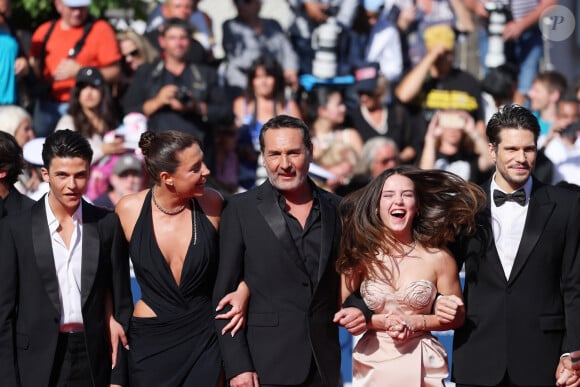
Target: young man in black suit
522,270
57,268
282,239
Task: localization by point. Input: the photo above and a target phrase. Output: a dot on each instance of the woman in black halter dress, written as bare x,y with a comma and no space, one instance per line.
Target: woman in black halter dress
172,235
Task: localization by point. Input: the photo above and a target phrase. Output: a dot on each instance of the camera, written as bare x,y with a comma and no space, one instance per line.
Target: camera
183,95
325,41
451,120
499,15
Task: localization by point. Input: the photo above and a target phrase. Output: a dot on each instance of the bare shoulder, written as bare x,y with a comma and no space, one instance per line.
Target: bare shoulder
128,210
294,109
212,203
130,203
444,261
441,258
238,105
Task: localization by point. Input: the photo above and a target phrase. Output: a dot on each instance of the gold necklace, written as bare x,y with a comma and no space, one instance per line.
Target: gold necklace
407,252
167,212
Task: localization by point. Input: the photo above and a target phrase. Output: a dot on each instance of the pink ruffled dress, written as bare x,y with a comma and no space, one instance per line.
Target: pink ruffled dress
380,362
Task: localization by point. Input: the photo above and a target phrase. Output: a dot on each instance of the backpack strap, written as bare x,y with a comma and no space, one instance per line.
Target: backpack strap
73,52
43,46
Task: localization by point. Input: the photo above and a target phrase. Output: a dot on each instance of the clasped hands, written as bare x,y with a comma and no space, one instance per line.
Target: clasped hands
398,327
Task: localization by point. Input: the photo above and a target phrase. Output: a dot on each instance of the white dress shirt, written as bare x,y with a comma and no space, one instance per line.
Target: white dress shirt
508,223
68,264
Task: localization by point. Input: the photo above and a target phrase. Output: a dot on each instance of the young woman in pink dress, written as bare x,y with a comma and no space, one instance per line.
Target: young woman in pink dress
393,251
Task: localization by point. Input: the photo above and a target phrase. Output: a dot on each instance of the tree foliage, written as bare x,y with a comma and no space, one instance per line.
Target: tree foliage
28,14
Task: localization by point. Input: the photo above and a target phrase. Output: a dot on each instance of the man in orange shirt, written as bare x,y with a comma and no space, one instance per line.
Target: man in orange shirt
57,60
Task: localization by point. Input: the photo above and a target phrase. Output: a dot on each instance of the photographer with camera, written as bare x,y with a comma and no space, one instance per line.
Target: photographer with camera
453,144
310,14
176,94
560,145
520,32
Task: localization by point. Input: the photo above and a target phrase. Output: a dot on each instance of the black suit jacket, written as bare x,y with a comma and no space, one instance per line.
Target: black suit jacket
289,320
521,324
14,203
29,294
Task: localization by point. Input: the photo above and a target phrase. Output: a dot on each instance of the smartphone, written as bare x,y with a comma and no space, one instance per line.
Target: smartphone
451,120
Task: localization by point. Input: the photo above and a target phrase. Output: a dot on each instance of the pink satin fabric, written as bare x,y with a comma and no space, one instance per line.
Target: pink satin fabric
380,362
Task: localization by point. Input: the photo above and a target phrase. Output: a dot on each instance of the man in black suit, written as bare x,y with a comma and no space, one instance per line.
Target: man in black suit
11,165
57,268
282,239
522,270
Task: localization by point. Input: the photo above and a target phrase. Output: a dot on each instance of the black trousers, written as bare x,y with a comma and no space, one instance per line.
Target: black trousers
71,366
313,380
506,382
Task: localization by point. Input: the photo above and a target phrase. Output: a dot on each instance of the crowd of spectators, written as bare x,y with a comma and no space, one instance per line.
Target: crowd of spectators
403,85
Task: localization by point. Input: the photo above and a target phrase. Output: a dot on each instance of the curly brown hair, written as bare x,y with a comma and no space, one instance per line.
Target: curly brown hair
447,206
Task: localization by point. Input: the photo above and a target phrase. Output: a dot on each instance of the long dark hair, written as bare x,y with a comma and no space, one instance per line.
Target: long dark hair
106,111
447,206
273,69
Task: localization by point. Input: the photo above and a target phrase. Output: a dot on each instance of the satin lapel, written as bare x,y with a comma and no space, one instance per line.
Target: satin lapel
43,252
91,250
491,248
328,216
272,214
539,210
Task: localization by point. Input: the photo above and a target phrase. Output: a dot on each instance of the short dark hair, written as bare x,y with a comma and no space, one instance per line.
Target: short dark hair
160,150
512,117
553,80
11,160
175,22
66,144
285,121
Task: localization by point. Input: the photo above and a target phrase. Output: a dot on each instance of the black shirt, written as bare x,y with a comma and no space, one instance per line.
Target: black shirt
307,240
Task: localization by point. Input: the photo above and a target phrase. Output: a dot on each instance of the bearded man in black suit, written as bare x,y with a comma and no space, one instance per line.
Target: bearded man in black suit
282,239
522,271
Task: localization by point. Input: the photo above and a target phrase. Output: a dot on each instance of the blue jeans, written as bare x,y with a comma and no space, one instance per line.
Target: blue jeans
46,116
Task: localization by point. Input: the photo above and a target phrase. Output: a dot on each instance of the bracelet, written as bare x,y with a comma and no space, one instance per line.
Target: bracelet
424,322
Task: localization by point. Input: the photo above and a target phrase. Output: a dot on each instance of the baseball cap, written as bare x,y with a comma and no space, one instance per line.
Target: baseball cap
373,5
90,76
439,34
366,77
32,151
127,163
76,3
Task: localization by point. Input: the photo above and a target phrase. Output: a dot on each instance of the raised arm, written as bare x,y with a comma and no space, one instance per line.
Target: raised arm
411,83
